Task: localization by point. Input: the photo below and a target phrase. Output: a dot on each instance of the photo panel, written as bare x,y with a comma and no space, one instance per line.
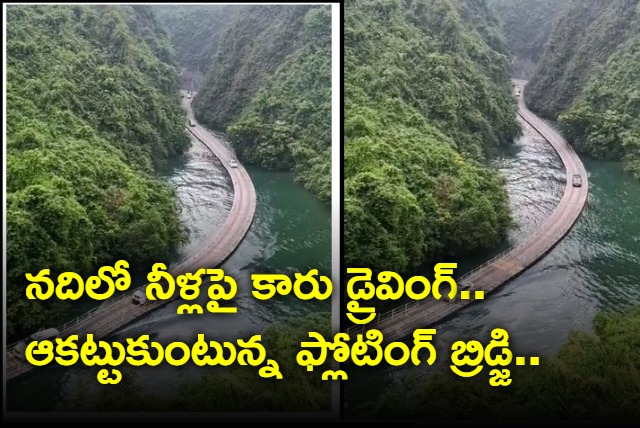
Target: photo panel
170,221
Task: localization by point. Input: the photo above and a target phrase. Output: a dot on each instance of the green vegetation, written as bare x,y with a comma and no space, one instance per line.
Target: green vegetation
287,123
268,86
195,31
268,82
605,120
92,107
527,25
588,79
233,388
582,39
427,98
592,377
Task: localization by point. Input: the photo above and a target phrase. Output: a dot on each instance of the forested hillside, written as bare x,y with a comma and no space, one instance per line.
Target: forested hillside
593,376
236,388
268,85
581,42
527,26
195,31
588,79
427,97
92,107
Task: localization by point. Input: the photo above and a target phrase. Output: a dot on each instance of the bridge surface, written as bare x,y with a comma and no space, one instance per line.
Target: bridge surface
119,311
400,323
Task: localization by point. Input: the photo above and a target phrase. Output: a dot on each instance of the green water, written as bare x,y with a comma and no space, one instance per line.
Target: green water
595,268
291,233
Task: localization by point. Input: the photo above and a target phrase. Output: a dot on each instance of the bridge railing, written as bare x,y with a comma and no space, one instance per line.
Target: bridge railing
400,310
540,235
408,306
10,348
107,305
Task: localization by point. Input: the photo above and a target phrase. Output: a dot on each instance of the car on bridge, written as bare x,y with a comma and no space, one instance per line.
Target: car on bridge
233,163
576,180
191,122
462,287
42,334
139,297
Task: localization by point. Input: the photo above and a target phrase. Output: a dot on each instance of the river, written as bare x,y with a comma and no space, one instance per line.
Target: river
291,233
594,269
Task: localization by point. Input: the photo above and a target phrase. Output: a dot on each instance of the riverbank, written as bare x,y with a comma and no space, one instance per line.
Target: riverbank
594,269
290,232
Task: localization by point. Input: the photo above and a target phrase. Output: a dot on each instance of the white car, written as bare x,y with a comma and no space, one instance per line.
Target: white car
233,163
188,96
139,297
576,180
48,334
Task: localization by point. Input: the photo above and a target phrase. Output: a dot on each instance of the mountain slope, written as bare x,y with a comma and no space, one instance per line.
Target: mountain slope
195,31
581,42
588,79
92,106
427,97
527,25
269,87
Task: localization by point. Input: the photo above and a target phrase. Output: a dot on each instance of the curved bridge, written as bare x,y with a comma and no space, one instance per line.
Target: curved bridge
401,322
119,311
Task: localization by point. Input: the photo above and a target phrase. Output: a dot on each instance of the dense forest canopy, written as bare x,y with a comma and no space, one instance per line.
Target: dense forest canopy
594,376
588,79
92,108
194,31
268,83
583,38
527,26
427,98
235,388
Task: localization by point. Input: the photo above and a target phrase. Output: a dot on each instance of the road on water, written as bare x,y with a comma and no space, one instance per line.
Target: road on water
120,310
401,322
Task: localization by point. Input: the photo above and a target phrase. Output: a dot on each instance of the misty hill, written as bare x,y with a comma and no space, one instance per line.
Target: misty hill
588,78
527,26
267,82
427,98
